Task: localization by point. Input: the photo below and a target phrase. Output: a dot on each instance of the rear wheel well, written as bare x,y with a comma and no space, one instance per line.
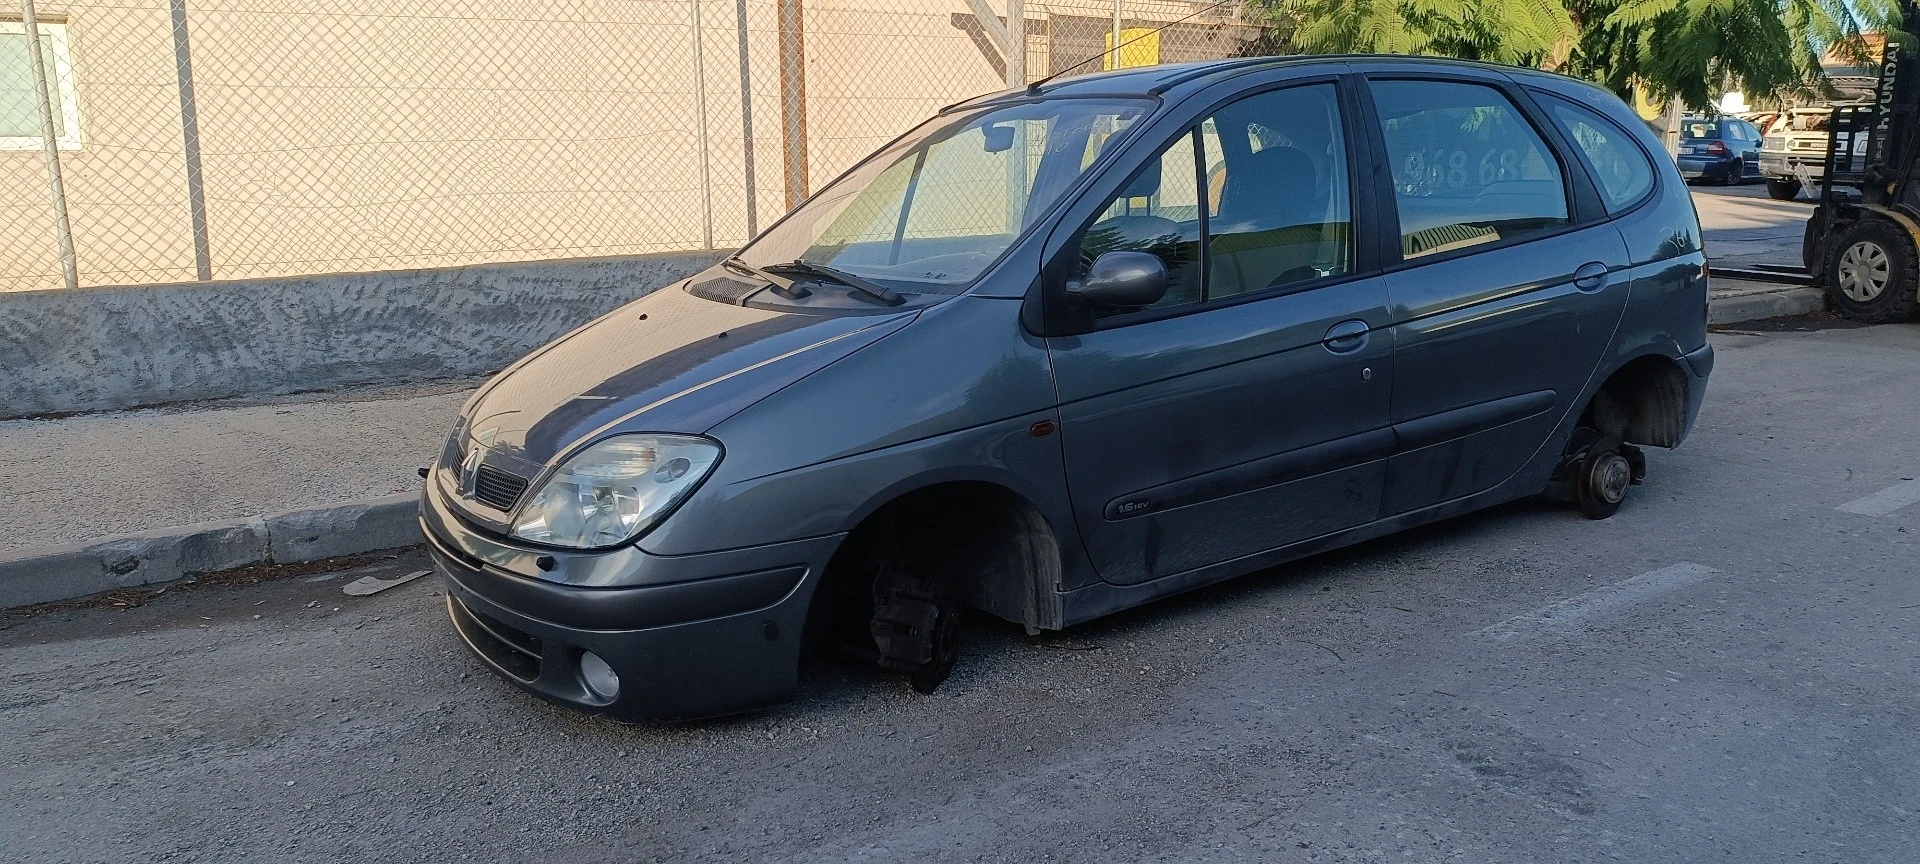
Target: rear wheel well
994,542
1644,402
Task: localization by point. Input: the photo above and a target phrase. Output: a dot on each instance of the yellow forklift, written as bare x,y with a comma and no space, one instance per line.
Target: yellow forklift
1863,241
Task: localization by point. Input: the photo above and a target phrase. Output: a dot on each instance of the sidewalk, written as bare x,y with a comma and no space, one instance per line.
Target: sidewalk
1732,301
102,502
78,479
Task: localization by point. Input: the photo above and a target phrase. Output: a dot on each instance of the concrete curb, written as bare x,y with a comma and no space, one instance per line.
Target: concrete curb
1760,305
30,576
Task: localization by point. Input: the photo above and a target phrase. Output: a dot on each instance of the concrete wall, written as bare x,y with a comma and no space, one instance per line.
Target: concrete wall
101,349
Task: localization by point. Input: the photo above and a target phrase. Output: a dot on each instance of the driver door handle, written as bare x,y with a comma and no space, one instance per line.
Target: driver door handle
1592,276
1346,337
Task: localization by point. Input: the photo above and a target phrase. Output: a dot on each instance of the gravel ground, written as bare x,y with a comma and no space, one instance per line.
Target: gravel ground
1724,672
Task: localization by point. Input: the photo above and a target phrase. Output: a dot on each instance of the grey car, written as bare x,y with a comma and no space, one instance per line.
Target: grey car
1063,350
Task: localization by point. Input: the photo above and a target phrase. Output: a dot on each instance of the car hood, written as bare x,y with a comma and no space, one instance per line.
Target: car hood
668,362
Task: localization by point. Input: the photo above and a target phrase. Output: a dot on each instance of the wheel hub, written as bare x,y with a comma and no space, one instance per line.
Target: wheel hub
1863,271
1610,478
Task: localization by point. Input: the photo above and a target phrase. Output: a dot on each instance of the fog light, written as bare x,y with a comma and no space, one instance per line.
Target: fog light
598,676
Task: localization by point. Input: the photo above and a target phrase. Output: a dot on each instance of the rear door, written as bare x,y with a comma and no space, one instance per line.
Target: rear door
1508,287
1248,409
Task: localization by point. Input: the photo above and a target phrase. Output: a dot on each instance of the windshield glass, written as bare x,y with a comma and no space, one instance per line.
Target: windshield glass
934,209
1700,129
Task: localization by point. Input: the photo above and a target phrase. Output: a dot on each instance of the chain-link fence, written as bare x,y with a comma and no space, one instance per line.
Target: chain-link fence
225,139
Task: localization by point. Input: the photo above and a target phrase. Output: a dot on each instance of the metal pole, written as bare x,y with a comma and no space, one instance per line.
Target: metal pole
746,120
1016,43
1670,136
700,118
793,99
190,142
1115,63
50,140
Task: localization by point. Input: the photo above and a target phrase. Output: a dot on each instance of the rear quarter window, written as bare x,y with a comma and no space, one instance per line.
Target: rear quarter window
1617,164
1467,167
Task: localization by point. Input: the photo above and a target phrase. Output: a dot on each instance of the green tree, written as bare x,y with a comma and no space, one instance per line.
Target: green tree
1689,48
1696,48
1527,32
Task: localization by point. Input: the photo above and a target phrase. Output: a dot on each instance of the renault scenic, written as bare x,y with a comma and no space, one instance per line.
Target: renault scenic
1066,349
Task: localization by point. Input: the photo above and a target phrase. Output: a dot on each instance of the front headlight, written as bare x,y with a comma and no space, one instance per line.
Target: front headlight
609,493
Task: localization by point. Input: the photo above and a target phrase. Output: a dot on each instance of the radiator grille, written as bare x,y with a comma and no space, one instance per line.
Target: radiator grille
496,488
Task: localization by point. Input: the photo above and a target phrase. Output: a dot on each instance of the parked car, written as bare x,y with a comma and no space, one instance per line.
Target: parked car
1795,147
1719,150
1061,351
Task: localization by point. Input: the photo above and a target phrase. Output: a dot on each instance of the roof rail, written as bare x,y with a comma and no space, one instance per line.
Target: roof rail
1222,66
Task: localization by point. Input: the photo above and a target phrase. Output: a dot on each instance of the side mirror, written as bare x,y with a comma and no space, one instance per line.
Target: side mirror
1121,278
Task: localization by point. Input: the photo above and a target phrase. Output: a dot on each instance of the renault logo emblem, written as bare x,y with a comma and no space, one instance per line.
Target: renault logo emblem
468,468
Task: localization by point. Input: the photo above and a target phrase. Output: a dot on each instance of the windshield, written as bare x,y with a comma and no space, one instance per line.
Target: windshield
1700,129
934,209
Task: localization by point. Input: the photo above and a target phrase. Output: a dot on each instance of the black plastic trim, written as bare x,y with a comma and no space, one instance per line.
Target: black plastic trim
1461,422
1257,474
1332,455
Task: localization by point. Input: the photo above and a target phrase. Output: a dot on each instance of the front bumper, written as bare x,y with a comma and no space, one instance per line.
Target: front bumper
691,636
1782,167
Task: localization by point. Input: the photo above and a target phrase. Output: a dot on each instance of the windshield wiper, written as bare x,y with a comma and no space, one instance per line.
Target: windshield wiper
872,289
782,287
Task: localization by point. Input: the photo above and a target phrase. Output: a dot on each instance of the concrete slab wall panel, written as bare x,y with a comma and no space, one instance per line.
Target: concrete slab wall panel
99,349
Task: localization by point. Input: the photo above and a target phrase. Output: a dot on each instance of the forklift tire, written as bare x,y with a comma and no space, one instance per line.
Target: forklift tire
1783,189
1871,271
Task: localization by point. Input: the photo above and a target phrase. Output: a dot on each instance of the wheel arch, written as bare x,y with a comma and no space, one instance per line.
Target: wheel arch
1642,401
1015,550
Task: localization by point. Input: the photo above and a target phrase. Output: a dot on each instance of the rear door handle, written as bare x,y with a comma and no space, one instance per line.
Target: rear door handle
1346,337
1592,276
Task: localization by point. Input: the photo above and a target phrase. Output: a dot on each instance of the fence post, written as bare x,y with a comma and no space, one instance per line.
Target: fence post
746,120
700,118
50,139
793,99
1114,61
190,142
1016,43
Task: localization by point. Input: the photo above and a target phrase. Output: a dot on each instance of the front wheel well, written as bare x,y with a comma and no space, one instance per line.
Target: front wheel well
1643,402
997,545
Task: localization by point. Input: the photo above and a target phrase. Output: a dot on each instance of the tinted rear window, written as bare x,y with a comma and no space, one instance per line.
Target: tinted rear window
1620,166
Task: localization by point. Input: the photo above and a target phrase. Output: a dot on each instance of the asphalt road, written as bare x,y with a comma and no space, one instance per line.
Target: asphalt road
1724,672
1743,227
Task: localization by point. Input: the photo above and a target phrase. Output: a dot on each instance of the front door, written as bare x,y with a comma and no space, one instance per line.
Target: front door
1505,299
1248,408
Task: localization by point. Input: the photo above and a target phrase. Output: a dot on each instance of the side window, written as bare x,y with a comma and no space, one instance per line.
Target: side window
1275,200
1282,213
1467,167
1158,212
1618,165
